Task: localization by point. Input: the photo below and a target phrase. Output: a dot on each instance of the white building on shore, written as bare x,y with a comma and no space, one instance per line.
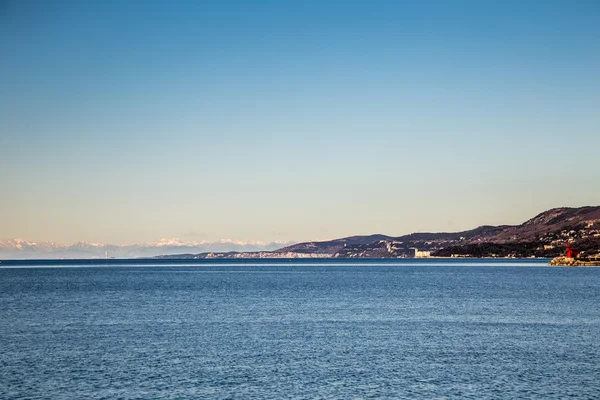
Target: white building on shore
422,254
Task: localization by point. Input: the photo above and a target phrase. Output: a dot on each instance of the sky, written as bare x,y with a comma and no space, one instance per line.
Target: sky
129,121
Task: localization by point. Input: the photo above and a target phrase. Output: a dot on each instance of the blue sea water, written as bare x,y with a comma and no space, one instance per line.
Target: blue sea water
405,329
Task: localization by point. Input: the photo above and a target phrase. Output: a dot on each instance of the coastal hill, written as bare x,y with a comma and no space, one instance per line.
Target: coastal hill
544,235
387,246
549,222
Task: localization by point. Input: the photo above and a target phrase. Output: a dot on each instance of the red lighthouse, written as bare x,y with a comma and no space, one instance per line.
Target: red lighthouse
570,252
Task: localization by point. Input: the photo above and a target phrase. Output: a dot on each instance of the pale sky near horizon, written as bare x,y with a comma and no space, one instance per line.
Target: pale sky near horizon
129,121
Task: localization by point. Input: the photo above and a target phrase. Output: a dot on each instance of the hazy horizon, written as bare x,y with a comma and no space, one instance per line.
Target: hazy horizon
293,121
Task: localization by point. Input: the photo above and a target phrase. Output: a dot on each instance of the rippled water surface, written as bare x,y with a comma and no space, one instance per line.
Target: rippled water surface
409,329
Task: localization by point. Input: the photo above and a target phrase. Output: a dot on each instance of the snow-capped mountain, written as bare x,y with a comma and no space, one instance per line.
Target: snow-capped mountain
24,249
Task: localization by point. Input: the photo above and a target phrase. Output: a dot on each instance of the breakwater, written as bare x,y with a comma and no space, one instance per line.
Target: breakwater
575,262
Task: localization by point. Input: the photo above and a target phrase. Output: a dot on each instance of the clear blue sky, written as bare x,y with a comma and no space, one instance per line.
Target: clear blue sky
128,121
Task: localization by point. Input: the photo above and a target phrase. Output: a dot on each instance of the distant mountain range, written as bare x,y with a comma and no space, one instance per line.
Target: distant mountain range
24,249
545,235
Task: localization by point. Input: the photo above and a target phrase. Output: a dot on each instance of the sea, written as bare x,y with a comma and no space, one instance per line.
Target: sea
298,329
